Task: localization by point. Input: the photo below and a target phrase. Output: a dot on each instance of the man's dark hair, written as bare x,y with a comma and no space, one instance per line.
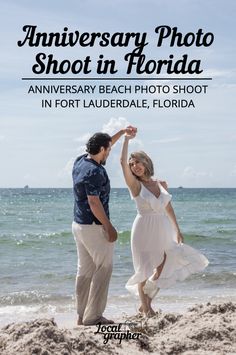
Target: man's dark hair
97,141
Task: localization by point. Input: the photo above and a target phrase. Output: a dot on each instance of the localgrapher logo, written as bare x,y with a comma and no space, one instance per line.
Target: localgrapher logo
117,332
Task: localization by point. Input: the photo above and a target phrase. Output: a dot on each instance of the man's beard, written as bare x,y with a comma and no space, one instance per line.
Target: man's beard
103,162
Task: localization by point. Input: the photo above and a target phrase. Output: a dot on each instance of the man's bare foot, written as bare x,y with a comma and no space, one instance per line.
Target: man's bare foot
101,320
79,321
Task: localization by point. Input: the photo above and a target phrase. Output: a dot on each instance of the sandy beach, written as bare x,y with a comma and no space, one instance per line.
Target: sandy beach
203,329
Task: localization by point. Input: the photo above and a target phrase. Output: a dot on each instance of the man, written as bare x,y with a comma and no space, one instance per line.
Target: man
93,232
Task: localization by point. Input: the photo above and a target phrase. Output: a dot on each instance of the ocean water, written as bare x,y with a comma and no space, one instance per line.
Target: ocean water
38,258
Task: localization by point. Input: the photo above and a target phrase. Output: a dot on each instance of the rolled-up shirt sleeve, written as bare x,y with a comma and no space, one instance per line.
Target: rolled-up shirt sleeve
93,183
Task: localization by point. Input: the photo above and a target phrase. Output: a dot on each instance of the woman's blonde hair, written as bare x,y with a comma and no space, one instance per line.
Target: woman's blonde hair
143,158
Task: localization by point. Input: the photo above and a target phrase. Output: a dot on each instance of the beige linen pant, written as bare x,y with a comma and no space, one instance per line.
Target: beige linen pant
95,255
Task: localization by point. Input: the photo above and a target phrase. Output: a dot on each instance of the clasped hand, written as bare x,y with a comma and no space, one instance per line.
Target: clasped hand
130,132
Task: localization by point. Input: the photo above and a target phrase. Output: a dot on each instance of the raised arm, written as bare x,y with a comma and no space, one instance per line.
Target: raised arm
120,133
117,135
131,181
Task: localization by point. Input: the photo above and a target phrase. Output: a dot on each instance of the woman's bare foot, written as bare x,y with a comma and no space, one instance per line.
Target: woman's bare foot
152,312
149,312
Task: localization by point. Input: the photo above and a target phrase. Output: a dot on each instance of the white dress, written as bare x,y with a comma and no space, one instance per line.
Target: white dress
152,235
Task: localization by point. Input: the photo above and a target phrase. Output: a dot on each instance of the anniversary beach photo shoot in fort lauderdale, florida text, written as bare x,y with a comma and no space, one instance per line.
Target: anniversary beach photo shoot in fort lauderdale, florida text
117,184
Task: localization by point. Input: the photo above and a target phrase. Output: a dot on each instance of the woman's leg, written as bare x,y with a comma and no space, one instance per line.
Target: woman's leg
149,293
144,306
159,269
150,309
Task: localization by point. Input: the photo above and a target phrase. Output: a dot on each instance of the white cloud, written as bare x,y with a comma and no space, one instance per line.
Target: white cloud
81,149
190,172
67,169
213,73
137,143
115,124
111,127
84,138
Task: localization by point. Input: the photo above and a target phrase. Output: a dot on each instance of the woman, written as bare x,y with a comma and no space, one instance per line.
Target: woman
159,256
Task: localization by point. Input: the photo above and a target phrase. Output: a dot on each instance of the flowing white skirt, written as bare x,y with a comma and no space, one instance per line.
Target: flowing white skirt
153,235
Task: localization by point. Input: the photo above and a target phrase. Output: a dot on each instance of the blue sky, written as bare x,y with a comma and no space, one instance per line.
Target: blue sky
192,148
